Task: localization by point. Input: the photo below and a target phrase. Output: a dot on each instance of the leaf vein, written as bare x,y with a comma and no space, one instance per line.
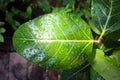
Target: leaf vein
81,52
81,29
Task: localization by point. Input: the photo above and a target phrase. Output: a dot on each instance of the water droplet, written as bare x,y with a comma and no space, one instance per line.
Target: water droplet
29,52
40,57
51,61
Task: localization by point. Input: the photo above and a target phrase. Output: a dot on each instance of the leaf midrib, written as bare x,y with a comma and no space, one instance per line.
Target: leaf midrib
109,15
38,40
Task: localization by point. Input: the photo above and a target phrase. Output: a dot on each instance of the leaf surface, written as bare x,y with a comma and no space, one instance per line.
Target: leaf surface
107,67
79,73
94,75
54,41
106,15
1,38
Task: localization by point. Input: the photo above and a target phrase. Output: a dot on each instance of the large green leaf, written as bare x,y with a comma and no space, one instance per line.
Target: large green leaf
55,41
106,15
107,67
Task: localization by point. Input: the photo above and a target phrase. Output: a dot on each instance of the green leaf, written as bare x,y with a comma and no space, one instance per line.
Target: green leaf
71,3
55,41
94,75
116,52
66,9
26,15
1,38
93,27
2,30
28,12
9,18
44,4
2,23
79,73
106,15
107,67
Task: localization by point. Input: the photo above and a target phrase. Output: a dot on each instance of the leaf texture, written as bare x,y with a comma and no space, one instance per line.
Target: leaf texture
106,15
107,67
54,41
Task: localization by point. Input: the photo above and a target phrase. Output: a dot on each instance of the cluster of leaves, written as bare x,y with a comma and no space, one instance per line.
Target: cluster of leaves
16,12
8,16
3,5
106,17
104,21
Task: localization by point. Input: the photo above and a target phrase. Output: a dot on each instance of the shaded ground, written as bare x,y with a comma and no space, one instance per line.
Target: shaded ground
14,67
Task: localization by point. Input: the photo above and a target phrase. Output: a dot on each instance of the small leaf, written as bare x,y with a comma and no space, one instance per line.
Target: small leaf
107,67
71,3
9,18
55,41
26,15
93,27
1,38
66,9
106,15
28,12
2,23
2,30
44,4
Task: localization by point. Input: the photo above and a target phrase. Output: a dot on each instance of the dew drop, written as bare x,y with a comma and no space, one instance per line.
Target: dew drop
40,57
29,52
51,61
